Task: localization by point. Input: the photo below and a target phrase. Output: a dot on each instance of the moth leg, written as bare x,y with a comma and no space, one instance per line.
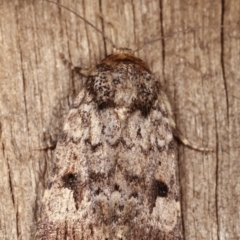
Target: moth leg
50,146
82,71
177,134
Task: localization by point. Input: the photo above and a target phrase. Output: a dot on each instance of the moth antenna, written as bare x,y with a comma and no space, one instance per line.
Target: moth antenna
173,33
85,20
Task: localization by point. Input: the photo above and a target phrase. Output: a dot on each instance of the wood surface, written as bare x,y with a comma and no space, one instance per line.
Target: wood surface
199,70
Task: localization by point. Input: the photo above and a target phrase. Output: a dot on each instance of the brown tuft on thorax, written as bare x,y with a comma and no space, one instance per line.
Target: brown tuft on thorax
124,55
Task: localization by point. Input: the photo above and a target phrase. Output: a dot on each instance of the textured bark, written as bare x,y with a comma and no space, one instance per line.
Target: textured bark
199,71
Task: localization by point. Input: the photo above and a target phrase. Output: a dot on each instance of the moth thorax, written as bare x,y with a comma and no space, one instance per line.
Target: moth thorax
123,50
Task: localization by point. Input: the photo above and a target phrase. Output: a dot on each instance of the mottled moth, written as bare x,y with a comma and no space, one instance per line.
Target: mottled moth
114,172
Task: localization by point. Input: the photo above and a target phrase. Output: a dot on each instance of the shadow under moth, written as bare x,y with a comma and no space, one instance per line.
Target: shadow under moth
114,172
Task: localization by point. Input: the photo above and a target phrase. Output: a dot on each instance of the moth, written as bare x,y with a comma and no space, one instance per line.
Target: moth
114,172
